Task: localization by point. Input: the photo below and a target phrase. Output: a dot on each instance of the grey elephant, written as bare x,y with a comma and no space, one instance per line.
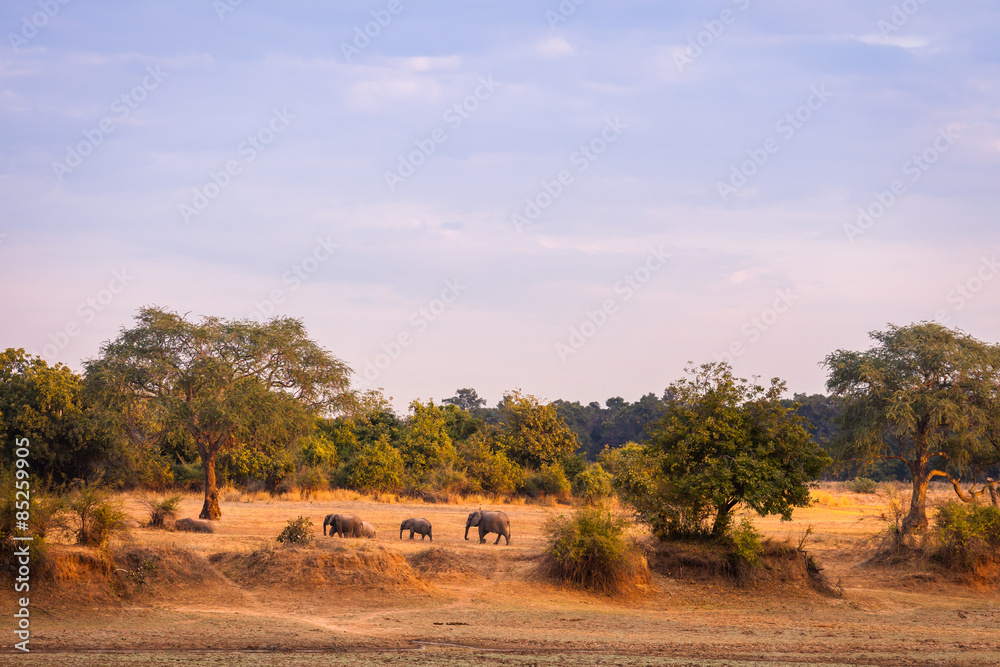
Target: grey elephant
367,530
345,525
194,525
489,522
419,526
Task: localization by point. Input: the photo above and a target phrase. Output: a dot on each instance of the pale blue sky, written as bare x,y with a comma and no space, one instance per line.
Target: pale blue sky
306,225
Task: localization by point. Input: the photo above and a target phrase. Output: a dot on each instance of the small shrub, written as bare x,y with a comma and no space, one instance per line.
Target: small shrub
592,484
591,550
548,481
161,510
96,515
862,485
298,531
968,537
747,549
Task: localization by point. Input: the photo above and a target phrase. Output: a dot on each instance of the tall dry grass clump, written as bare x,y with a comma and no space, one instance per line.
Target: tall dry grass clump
591,549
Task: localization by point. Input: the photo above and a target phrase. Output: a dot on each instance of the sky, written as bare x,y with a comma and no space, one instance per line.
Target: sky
571,198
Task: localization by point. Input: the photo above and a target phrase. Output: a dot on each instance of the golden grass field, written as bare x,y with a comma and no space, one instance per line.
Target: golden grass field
237,598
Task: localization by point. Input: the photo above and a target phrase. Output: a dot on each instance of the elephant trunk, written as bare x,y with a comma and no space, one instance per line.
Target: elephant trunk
400,532
467,530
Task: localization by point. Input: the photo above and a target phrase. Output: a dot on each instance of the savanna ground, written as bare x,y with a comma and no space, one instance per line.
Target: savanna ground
236,598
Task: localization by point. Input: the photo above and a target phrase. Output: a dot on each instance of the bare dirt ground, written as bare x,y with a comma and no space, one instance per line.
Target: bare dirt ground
236,598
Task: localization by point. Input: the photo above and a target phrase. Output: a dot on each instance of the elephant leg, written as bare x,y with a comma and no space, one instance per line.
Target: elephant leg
499,535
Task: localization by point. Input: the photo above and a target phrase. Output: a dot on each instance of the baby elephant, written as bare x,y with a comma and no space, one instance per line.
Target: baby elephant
421,526
367,530
194,525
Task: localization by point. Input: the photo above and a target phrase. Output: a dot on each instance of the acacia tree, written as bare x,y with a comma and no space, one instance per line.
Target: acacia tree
722,441
924,395
223,383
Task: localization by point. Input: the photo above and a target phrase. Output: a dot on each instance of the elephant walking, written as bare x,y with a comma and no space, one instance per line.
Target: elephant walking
489,522
367,530
420,526
345,525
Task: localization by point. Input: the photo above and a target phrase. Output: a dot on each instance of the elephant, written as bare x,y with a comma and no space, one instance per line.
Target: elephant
421,526
345,525
367,530
194,525
489,522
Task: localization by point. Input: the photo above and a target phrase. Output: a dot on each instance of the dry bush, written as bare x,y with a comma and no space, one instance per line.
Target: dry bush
592,550
161,510
890,544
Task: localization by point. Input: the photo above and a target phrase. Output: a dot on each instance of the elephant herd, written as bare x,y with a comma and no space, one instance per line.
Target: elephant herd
350,525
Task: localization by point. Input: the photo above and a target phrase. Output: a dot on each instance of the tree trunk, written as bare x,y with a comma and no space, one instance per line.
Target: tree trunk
722,520
916,519
210,510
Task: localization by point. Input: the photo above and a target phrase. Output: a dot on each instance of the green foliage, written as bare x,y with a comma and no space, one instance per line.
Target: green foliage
593,484
532,434
969,537
161,510
925,394
46,405
42,516
747,544
487,468
298,531
862,485
319,451
190,476
97,516
592,550
377,467
614,425
268,463
548,481
637,478
724,441
466,400
425,443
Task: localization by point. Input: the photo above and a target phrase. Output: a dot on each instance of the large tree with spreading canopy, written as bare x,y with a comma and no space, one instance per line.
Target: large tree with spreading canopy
221,383
925,395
